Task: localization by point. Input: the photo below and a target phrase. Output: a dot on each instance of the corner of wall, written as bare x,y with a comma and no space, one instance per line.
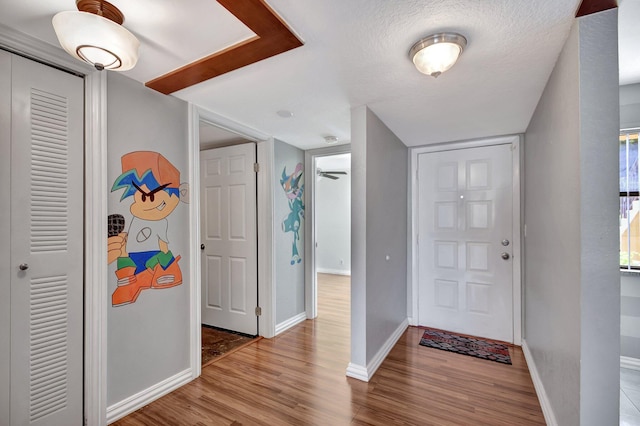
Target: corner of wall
545,403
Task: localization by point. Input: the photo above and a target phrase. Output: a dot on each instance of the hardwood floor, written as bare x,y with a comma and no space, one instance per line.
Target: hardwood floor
298,378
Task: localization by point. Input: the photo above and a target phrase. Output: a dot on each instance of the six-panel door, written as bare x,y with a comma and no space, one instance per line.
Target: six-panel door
464,244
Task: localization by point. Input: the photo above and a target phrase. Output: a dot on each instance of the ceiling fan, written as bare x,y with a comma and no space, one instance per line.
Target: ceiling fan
330,174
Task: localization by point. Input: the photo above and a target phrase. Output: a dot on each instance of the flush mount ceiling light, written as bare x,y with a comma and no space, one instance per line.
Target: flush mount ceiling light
331,139
284,113
437,53
94,34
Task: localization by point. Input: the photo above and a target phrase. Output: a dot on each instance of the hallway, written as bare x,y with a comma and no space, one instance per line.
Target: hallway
299,378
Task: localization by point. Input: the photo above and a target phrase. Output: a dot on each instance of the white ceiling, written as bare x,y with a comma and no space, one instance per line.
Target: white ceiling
355,53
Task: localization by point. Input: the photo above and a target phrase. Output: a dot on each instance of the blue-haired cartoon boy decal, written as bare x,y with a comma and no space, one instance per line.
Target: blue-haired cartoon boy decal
142,252
291,223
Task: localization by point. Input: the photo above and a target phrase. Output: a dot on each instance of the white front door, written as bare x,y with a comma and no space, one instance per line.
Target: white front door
465,241
229,238
45,236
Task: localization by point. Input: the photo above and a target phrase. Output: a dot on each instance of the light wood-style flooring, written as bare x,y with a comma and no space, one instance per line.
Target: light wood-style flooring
298,378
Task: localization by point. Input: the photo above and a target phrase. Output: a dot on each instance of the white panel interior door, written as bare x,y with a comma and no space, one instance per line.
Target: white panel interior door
46,271
5,229
229,235
464,231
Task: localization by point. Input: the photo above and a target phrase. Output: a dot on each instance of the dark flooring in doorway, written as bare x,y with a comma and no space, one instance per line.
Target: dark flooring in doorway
217,343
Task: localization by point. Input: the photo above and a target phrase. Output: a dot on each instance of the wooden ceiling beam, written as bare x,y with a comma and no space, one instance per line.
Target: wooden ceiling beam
587,7
272,38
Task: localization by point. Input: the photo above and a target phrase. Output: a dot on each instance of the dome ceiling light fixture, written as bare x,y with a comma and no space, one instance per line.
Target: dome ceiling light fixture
94,34
437,53
330,140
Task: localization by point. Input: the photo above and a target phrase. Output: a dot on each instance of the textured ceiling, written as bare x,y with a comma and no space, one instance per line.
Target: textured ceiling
355,53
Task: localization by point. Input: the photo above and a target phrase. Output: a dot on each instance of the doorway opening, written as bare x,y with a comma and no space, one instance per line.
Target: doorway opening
228,243
332,281
332,217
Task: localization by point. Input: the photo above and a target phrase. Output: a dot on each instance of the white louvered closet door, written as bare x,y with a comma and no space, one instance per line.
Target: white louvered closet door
46,266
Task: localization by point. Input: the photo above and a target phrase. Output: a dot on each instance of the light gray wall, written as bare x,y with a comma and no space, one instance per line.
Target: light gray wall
148,341
333,224
630,282
630,315
381,160
359,236
289,278
630,106
599,206
571,265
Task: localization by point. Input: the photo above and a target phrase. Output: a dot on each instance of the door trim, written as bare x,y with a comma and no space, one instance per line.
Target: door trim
96,271
412,269
266,295
310,281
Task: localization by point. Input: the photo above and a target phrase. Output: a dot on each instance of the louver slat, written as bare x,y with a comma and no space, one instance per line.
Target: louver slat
49,172
48,346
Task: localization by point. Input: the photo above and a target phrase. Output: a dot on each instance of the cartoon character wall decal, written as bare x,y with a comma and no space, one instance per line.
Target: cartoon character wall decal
294,191
144,260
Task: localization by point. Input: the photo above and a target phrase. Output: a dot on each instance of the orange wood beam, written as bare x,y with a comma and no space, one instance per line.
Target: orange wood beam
587,7
272,38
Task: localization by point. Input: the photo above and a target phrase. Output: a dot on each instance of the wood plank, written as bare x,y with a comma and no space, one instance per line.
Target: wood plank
587,7
299,378
272,38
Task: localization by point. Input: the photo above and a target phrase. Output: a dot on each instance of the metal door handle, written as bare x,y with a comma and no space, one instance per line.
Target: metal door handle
505,256
23,266
201,246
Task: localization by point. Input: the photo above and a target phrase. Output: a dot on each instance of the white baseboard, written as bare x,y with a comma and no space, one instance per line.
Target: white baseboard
142,398
357,372
285,325
333,271
630,363
545,404
366,373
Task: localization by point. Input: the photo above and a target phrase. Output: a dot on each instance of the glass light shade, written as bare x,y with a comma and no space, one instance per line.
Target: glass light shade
96,40
437,53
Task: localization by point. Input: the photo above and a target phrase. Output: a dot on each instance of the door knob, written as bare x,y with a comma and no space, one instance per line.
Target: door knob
505,256
23,266
201,246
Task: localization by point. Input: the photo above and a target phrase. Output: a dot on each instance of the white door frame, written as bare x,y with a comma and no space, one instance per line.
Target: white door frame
266,295
412,290
310,281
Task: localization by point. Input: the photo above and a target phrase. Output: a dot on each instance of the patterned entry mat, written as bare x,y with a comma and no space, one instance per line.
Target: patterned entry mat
466,345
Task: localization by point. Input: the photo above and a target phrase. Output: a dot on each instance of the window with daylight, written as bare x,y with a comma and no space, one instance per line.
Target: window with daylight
629,200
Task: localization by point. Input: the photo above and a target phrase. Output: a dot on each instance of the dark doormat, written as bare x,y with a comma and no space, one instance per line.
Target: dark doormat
218,343
465,345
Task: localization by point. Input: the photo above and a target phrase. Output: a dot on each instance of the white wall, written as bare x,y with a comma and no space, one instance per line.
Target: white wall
379,229
630,106
333,221
630,315
148,341
572,303
289,285
630,282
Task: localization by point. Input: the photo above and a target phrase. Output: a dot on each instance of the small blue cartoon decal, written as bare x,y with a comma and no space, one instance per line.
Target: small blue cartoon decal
291,223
